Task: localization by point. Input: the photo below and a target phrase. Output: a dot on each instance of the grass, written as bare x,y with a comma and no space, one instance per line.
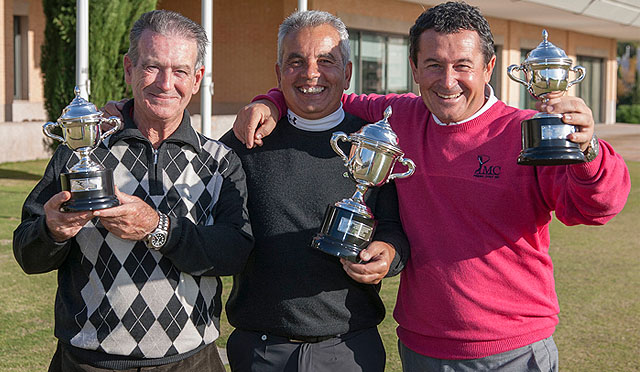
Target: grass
597,272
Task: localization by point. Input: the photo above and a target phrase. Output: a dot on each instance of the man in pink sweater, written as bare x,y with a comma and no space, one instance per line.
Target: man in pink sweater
478,292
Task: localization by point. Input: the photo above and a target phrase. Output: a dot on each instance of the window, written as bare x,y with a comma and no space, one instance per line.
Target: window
590,89
526,99
17,57
496,76
380,63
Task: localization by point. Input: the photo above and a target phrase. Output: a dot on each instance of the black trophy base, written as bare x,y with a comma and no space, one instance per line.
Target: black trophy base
544,143
89,190
344,233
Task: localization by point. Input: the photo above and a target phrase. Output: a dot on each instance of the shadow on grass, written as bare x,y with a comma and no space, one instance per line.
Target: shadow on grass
18,175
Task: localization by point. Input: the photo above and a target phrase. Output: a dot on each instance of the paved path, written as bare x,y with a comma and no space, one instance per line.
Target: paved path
625,139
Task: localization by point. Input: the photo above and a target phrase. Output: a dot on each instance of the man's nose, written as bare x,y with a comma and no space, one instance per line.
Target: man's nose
450,77
164,80
311,70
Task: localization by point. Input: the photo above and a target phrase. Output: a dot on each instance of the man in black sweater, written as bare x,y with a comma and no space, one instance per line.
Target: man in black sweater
296,308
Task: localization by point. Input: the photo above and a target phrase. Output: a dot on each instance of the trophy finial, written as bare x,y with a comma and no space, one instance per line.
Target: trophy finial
387,112
76,91
545,34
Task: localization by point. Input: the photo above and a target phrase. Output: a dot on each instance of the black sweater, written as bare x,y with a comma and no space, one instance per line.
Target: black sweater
288,288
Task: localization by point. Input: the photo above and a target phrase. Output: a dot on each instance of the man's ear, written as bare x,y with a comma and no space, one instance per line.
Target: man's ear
278,75
348,70
199,74
128,65
414,70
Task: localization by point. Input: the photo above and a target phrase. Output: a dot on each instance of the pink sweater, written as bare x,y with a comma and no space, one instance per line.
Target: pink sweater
480,278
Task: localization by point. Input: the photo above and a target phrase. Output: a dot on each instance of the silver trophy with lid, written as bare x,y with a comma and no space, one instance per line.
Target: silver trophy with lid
90,184
544,136
349,224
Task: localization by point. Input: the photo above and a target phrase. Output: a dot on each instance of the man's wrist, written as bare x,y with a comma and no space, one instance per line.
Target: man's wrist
591,152
159,236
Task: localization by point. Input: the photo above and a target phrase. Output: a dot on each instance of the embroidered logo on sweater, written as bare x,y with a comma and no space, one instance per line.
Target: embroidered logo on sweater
486,170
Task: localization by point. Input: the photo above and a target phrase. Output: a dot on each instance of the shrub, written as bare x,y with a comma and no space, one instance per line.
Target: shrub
109,25
628,114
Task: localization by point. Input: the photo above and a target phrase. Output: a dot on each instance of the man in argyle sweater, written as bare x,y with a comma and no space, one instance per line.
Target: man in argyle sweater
122,302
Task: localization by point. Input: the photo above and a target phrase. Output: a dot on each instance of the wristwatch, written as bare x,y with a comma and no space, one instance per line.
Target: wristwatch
594,148
158,237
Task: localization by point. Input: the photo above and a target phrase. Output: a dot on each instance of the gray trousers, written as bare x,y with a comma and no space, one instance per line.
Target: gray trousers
541,356
358,351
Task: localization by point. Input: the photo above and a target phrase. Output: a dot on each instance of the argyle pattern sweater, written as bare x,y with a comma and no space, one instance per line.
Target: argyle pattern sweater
117,297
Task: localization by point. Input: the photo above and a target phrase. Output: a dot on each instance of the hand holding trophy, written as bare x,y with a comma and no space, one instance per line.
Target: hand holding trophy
90,184
349,224
544,136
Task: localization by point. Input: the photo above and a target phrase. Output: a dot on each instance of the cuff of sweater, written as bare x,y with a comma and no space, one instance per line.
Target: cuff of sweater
45,235
587,171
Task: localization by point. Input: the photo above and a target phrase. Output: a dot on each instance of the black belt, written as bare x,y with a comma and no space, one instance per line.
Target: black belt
309,339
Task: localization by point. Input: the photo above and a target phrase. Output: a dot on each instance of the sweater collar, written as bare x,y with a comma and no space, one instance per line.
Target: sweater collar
318,125
184,134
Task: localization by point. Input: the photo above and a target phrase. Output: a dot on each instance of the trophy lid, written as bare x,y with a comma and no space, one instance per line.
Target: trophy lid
79,109
547,52
380,133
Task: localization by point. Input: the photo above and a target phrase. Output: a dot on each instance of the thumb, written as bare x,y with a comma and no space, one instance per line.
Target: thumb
123,197
56,201
268,125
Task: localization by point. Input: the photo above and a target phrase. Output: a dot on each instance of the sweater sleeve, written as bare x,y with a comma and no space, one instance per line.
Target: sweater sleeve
588,193
33,248
222,248
366,106
389,229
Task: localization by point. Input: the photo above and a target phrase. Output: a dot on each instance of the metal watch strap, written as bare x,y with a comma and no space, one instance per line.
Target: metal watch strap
158,237
594,148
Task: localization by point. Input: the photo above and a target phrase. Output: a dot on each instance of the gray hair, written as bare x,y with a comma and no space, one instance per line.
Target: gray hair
313,18
165,22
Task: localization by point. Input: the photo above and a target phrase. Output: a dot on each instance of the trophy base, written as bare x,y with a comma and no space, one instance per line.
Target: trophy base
344,233
544,143
91,190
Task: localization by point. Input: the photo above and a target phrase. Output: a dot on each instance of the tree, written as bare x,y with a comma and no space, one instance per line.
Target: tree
109,25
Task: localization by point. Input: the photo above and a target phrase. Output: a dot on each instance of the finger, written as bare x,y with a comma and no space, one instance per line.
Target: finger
56,201
238,130
250,130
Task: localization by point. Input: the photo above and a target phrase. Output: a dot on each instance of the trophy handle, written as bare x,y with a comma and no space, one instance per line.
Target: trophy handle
339,136
47,127
513,68
581,71
117,125
407,163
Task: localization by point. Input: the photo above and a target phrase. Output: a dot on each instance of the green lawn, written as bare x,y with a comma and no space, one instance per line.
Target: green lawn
597,275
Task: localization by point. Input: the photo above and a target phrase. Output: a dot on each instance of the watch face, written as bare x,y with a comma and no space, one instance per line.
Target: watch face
158,240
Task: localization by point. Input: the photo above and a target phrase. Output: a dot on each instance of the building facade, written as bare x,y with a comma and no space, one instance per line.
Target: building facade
245,35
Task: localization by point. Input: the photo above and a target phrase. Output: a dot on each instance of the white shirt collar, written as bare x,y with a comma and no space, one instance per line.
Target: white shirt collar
317,125
491,99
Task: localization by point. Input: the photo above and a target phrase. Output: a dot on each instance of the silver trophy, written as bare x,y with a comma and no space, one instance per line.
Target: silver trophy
349,224
544,136
90,184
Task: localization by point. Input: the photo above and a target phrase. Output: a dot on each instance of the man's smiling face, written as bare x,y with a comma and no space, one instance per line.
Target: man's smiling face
452,74
313,76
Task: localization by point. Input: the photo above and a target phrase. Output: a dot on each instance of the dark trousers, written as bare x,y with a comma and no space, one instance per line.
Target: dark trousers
205,360
358,351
